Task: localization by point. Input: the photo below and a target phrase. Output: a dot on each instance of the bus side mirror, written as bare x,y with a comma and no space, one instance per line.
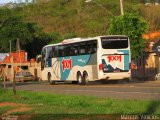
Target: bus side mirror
38,58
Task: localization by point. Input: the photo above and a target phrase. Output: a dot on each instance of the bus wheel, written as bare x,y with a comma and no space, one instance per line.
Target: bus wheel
85,78
79,78
49,79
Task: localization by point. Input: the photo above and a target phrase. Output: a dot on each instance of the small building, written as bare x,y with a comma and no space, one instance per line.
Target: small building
18,61
148,65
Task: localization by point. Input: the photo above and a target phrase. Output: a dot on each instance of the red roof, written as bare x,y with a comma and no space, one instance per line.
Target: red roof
17,57
151,35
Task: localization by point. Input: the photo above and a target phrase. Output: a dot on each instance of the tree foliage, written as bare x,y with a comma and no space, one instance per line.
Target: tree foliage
151,14
133,26
13,26
75,16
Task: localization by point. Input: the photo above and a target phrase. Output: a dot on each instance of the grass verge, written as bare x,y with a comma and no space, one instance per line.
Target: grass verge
75,107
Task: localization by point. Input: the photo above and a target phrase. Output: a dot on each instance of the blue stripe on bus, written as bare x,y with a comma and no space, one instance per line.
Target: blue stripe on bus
126,58
81,60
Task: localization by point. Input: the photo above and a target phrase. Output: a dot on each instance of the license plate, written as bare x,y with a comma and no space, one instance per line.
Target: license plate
117,71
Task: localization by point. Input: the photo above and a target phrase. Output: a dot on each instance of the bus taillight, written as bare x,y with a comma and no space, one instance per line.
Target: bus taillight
100,66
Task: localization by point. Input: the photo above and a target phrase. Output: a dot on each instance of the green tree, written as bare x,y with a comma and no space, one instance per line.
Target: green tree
133,26
56,37
13,26
39,40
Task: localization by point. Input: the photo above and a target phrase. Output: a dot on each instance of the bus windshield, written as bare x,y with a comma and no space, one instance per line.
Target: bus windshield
114,42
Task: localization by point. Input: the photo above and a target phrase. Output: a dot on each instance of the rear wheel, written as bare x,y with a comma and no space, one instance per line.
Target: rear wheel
50,80
85,78
79,78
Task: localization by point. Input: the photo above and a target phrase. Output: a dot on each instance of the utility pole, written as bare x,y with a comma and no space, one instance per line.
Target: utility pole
121,6
19,51
4,77
13,72
87,1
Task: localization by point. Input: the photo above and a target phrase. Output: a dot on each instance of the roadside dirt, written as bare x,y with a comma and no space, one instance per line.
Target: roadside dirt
16,108
3,104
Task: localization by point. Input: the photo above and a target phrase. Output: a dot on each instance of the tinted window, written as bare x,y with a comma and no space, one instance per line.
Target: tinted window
55,51
43,58
67,49
114,42
43,52
89,47
60,51
80,48
49,52
83,48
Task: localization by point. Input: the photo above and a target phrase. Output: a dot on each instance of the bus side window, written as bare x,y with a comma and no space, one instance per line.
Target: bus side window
94,47
59,53
56,52
43,58
82,49
67,50
50,52
44,53
53,51
72,50
76,49
89,48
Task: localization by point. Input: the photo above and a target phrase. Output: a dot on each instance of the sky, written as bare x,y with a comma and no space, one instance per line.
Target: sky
7,1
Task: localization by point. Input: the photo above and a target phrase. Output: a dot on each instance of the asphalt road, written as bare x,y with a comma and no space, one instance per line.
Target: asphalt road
122,90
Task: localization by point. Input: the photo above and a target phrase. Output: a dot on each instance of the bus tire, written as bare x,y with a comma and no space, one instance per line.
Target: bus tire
79,78
49,79
85,78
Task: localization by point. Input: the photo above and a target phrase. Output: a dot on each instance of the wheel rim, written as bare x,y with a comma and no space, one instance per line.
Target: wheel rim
85,79
79,79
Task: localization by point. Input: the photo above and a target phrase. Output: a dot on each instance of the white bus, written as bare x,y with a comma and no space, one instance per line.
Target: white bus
81,60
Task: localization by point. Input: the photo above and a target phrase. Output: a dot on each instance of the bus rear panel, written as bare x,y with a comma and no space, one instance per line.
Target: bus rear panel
115,58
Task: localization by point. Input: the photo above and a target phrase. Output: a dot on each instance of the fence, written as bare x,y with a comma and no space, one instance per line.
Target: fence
144,73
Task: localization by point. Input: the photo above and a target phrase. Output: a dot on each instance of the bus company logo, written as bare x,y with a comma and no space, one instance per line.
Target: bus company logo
81,60
66,64
114,58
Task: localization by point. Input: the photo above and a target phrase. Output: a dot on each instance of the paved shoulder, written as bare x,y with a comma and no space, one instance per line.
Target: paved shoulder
134,90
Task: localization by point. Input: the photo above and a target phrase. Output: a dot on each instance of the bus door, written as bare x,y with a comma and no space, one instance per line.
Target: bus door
55,63
43,60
